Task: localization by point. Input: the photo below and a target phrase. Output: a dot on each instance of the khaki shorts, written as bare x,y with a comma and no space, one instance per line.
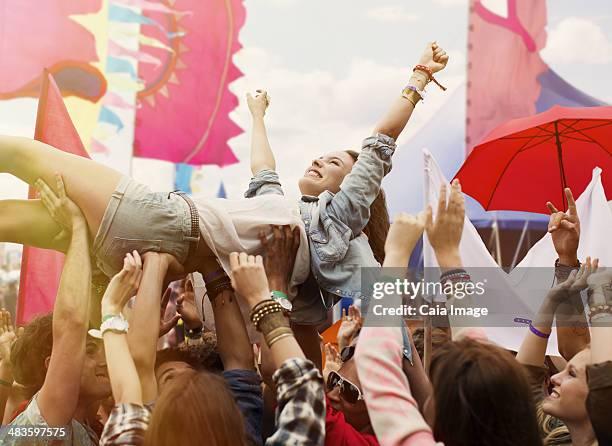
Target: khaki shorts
138,219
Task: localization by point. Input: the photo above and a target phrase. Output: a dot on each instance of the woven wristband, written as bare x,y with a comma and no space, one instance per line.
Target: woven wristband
430,75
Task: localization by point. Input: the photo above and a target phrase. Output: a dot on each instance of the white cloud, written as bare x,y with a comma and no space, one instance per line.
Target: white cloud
577,40
392,14
315,111
449,3
282,2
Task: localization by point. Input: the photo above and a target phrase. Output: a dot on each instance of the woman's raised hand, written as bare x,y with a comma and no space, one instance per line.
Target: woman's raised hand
123,285
434,57
249,277
444,233
259,103
403,235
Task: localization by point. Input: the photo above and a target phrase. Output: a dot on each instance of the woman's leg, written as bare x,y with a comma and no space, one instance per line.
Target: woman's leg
28,222
89,184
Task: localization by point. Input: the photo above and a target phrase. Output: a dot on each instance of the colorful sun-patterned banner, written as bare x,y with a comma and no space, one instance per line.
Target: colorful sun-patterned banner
39,35
155,73
186,102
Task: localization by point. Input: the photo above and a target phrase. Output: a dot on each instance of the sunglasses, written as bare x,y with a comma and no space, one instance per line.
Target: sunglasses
349,392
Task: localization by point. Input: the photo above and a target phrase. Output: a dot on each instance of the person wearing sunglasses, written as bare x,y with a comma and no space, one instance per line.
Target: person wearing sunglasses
347,421
348,391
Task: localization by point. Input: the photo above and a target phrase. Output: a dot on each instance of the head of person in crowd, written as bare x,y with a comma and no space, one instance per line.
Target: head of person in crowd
568,394
173,361
196,407
481,396
439,336
345,393
170,362
327,173
31,353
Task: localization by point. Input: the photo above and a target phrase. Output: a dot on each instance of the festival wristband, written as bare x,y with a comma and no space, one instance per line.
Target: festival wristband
108,316
534,330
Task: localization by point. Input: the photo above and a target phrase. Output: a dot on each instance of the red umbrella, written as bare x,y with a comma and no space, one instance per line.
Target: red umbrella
526,162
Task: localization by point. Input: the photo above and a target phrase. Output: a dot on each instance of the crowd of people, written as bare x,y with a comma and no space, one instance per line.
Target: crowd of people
93,367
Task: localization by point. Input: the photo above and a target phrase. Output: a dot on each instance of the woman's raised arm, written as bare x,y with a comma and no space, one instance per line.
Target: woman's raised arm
261,152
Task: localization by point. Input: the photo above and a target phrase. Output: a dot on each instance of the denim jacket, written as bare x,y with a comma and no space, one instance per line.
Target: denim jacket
334,222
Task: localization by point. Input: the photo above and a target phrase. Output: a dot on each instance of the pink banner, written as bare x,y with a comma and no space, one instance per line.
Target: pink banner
39,35
148,5
41,268
117,50
186,102
503,78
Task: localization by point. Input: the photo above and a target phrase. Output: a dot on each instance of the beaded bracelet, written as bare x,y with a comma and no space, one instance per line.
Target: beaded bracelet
262,309
429,73
216,283
599,309
455,275
263,314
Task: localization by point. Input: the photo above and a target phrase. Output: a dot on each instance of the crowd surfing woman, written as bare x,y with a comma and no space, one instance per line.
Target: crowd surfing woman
338,190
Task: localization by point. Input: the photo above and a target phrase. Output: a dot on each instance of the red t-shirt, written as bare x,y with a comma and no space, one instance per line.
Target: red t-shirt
338,432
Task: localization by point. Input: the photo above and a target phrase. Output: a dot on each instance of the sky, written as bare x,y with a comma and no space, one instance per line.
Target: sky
332,68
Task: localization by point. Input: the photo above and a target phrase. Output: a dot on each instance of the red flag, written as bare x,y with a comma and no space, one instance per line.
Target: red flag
41,268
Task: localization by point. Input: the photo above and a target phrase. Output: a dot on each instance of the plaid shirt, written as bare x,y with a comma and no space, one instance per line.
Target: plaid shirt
300,415
126,425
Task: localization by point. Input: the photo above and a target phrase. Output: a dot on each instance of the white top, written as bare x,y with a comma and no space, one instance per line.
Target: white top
229,225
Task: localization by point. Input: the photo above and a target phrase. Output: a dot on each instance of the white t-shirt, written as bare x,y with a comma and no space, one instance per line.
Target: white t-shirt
229,225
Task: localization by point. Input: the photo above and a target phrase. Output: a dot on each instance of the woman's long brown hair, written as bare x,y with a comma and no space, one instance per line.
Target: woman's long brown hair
196,408
378,224
482,397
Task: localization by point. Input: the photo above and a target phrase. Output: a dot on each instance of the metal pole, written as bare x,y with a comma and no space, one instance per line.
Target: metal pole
561,168
520,243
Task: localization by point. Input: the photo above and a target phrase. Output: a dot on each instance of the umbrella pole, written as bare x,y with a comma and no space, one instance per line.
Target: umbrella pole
561,168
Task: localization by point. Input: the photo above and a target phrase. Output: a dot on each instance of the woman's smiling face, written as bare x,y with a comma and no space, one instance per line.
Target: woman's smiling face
326,173
569,390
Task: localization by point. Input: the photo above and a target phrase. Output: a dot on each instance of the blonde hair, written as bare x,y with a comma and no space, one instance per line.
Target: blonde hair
554,430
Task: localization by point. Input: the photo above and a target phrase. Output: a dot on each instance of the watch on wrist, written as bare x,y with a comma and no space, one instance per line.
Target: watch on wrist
193,333
114,323
282,299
